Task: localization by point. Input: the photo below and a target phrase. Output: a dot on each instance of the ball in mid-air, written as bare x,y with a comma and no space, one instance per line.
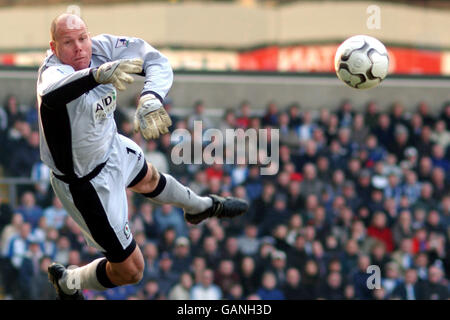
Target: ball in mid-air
361,62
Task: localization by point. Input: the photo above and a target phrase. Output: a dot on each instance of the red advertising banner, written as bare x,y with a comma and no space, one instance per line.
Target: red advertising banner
415,61
297,58
265,59
320,58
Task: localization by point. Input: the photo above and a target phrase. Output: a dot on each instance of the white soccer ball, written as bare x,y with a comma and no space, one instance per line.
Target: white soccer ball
361,62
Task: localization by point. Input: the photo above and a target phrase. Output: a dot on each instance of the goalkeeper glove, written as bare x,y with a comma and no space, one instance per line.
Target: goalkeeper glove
151,118
117,72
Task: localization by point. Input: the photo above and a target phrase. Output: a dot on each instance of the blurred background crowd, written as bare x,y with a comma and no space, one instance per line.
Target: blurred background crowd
358,186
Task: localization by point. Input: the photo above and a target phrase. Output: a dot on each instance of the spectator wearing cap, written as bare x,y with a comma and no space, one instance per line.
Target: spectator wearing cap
182,258
410,159
278,266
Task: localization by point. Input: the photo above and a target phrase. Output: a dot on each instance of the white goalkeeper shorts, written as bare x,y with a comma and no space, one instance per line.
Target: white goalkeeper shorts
98,201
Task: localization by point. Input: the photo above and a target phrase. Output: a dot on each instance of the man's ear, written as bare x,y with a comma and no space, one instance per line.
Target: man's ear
53,46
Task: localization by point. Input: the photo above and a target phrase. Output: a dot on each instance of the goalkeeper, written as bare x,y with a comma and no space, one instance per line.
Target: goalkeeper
92,164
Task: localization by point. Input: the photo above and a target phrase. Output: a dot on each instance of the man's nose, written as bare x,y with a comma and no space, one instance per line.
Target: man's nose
78,46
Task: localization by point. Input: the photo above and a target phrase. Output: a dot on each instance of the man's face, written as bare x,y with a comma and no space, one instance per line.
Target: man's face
72,44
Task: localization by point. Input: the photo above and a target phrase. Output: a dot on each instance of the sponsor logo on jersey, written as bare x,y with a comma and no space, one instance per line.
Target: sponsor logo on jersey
105,106
122,43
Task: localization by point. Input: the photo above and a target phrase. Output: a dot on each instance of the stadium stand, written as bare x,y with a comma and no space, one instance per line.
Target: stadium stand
355,187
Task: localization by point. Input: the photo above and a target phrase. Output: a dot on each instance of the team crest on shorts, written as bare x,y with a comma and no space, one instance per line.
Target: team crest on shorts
127,231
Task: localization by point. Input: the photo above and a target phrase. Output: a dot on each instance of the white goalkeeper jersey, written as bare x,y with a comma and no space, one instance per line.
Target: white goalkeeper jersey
76,122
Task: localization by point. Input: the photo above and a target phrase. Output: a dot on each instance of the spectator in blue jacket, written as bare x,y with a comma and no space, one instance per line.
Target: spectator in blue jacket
268,289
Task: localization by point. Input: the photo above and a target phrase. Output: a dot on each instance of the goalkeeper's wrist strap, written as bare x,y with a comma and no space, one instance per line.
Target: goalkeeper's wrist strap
155,94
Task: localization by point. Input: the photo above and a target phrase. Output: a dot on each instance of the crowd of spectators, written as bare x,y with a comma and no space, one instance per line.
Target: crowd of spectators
355,187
